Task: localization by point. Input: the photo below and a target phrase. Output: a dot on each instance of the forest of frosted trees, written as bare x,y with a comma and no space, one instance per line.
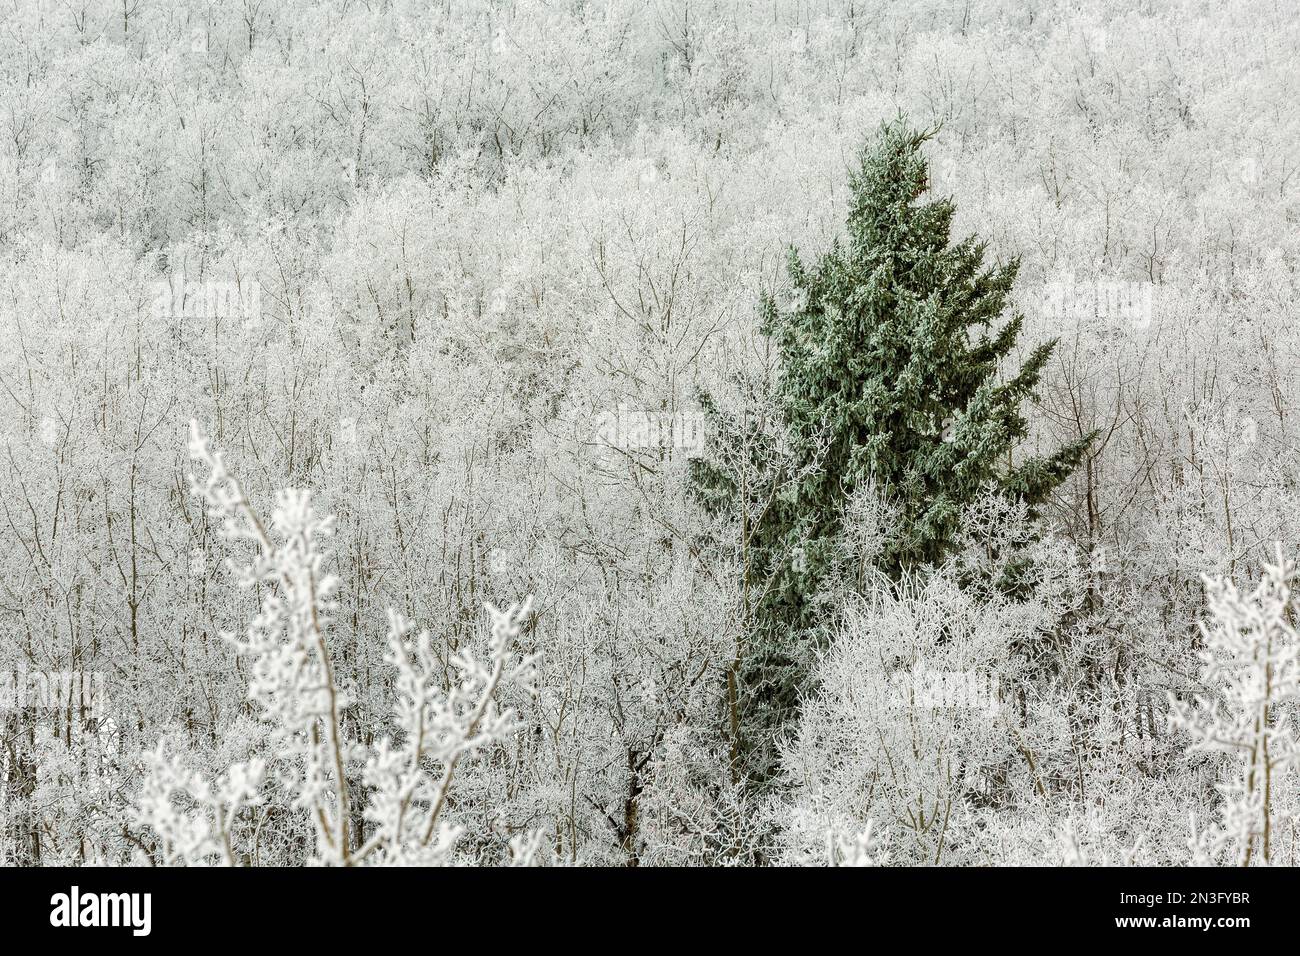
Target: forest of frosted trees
649,432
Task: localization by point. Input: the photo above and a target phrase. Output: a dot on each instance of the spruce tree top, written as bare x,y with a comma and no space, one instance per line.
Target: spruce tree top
895,357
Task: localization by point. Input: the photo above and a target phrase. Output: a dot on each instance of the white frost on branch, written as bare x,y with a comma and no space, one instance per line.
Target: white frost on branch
408,782
1252,675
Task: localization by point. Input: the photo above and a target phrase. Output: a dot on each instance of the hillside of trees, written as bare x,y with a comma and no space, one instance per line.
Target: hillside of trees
685,432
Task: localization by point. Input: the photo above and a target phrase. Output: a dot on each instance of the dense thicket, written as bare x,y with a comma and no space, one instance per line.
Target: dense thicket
462,268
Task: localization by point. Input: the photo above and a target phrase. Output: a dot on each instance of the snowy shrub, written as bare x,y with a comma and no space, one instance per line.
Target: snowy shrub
913,720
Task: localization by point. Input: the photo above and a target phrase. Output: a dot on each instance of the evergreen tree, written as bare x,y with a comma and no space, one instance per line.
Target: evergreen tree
889,380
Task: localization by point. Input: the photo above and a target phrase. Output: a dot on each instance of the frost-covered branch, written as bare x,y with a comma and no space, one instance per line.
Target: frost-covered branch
292,682
1252,675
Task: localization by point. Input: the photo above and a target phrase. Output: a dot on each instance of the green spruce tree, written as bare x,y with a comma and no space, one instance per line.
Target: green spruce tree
892,377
